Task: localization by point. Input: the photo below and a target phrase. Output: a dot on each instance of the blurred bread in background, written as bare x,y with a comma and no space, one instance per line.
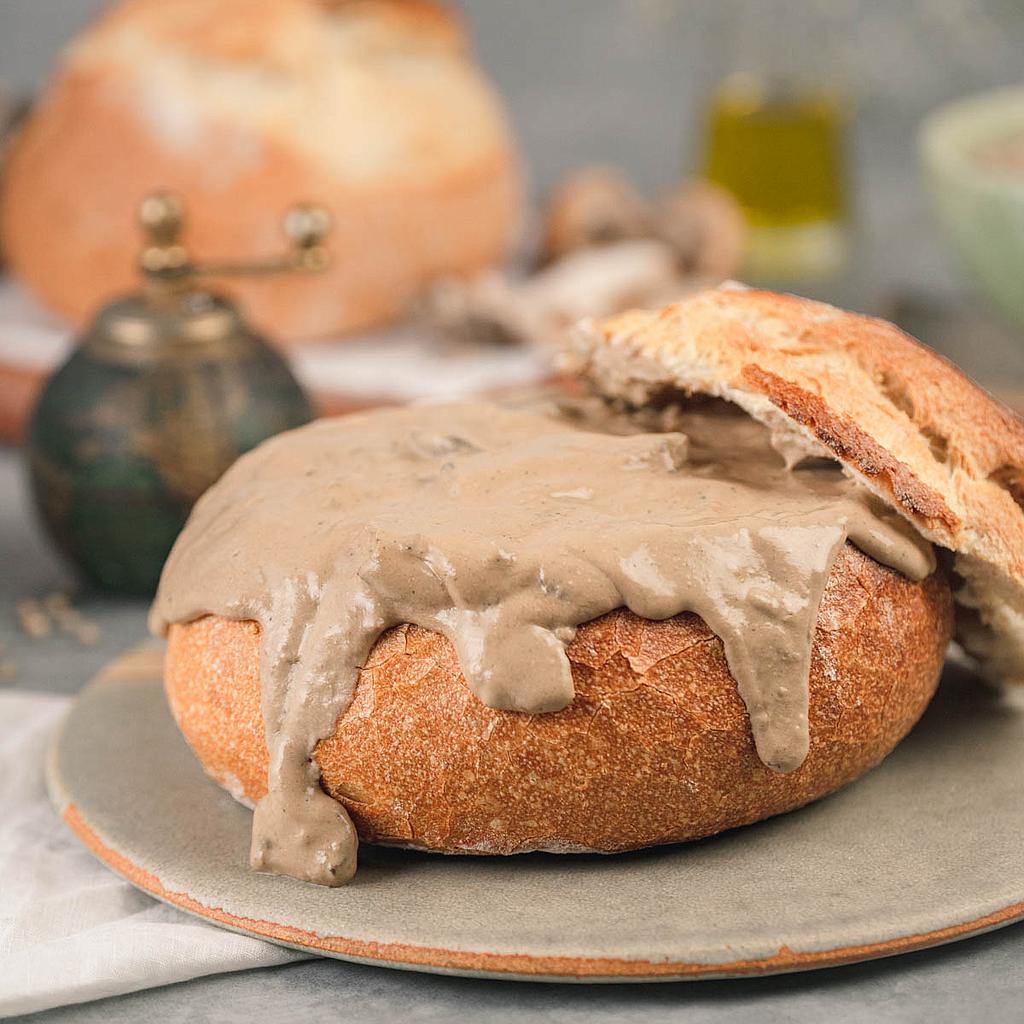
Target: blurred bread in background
373,108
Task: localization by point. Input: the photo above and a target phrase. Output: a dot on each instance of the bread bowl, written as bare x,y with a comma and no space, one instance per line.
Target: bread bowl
372,108
645,692
446,725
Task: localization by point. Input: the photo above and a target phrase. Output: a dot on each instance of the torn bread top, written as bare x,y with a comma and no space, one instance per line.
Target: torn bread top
900,419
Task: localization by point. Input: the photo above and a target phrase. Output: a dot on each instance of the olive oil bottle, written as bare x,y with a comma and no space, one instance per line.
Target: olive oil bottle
779,150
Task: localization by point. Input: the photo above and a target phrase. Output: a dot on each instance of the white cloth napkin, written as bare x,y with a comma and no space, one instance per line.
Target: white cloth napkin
70,929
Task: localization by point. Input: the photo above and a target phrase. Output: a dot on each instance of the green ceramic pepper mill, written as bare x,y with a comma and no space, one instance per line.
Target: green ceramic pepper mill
162,393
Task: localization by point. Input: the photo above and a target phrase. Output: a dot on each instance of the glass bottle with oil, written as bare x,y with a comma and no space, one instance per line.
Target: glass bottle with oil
775,138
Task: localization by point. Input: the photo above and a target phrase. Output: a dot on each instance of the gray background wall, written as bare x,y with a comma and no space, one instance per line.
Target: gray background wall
624,80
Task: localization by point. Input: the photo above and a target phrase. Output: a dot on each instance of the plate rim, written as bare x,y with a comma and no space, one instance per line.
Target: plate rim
136,666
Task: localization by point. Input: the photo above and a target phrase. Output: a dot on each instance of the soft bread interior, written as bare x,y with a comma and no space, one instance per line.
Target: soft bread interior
900,419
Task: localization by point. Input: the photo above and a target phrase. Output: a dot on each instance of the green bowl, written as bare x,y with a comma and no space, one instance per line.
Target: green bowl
982,210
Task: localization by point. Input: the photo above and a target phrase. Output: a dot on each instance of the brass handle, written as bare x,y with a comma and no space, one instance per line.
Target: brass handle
162,217
165,260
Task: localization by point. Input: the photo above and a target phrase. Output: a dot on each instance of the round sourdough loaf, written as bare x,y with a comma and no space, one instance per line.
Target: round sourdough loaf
372,108
655,748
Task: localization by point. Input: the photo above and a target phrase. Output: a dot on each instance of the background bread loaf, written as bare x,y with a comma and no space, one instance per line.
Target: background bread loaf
372,108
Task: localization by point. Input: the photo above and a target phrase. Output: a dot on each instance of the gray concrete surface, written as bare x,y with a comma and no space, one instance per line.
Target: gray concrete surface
976,981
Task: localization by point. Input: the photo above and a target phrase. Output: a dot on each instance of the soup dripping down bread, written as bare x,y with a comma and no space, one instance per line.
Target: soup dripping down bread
479,629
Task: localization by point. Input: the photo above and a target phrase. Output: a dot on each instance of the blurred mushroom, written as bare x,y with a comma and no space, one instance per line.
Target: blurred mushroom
605,249
602,281
706,226
593,206
486,309
591,282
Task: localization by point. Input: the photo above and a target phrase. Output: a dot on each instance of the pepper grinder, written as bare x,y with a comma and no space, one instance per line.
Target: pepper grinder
165,389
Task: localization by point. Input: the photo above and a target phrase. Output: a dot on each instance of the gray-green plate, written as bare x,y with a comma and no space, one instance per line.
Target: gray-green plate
925,849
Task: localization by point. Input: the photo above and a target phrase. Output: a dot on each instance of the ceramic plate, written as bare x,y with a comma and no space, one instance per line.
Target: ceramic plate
923,850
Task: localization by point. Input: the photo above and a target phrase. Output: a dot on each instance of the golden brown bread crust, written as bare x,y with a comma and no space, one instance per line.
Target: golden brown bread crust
238,29
655,748
151,96
901,419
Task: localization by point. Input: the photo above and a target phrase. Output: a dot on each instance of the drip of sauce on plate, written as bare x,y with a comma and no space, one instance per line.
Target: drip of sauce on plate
504,530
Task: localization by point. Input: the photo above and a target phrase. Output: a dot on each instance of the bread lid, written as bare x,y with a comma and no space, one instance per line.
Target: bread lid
900,419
